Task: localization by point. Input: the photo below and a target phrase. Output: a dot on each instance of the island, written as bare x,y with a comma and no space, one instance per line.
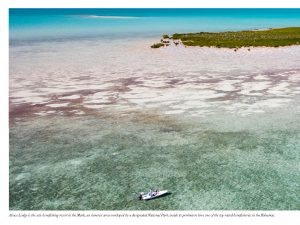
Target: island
235,39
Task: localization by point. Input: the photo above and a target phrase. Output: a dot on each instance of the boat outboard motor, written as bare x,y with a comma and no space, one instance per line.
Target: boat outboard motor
141,195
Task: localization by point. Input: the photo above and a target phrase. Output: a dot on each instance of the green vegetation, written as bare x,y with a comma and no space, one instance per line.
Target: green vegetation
162,43
269,38
176,36
157,45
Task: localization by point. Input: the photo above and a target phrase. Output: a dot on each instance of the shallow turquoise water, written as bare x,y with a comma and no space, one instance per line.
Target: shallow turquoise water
102,162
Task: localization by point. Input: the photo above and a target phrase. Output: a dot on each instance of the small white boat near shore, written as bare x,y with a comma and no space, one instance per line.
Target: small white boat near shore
152,194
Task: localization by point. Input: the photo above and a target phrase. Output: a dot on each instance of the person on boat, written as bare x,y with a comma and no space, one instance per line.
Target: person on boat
154,193
151,193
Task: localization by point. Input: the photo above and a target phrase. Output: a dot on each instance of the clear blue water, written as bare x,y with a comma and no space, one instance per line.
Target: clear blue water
45,24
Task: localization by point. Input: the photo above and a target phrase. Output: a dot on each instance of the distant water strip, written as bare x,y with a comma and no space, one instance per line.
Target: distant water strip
109,17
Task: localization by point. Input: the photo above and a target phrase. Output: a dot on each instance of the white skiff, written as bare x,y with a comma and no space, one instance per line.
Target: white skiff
152,194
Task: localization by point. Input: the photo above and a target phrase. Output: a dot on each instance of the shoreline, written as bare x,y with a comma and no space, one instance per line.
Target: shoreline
219,49
272,37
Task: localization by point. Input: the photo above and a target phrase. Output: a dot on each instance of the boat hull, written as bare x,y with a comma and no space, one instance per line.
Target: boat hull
154,195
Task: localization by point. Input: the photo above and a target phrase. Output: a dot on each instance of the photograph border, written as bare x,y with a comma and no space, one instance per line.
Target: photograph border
28,217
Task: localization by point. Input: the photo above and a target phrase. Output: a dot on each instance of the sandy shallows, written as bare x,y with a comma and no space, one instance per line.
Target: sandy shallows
93,123
102,163
129,76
